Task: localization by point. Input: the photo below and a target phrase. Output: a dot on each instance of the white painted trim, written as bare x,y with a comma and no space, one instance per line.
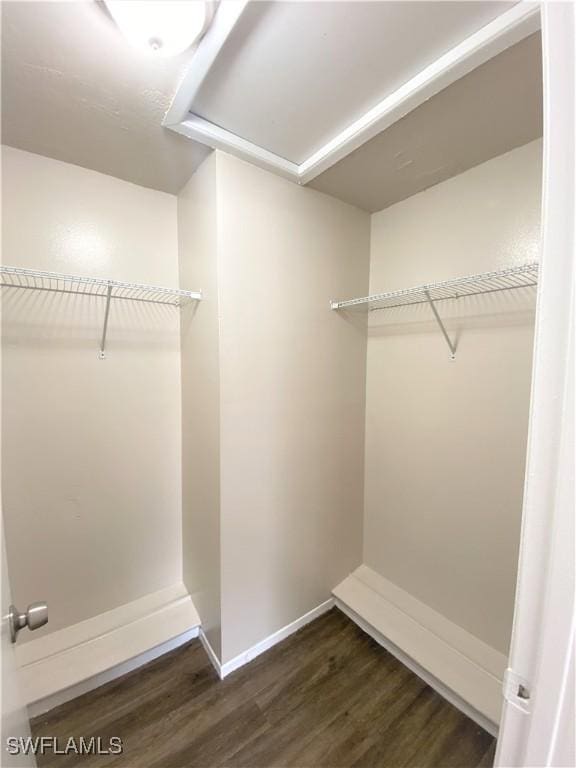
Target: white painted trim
543,634
225,19
507,29
66,658
214,660
520,21
225,669
40,648
460,666
432,681
201,130
466,643
67,694
275,638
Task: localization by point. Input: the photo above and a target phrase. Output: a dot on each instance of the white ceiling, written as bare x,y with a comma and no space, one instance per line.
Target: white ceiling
290,76
73,89
495,108
294,74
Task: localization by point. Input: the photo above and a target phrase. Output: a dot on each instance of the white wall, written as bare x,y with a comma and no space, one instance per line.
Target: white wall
446,440
272,393
273,397
292,399
198,243
91,448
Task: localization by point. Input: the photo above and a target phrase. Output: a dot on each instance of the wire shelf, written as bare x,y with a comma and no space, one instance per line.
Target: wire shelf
34,279
508,279
38,280
524,276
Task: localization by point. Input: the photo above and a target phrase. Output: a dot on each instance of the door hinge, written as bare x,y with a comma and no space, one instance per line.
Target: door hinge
516,690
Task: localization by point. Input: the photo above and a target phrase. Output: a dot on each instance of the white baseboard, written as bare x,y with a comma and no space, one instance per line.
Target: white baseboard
463,669
61,697
224,669
275,638
59,666
212,655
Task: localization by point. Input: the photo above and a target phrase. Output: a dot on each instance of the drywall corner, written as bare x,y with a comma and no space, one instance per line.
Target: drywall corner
198,257
292,399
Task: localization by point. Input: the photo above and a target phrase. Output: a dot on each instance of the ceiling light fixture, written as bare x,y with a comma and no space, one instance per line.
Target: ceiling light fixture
160,27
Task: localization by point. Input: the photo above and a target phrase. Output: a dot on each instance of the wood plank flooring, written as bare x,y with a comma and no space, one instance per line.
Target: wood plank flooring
327,697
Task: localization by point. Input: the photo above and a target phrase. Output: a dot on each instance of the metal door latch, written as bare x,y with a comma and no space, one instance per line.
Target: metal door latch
35,617
516,690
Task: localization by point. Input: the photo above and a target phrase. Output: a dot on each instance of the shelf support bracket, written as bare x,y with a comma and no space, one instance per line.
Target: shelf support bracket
102,353
451,346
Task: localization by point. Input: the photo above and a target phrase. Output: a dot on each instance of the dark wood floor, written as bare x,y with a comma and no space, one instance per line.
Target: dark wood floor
327,696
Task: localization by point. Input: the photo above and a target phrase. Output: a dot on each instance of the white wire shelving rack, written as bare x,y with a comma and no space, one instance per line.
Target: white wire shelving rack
38,280
523,276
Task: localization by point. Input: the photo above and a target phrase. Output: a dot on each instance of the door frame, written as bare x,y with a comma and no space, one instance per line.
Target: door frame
538,730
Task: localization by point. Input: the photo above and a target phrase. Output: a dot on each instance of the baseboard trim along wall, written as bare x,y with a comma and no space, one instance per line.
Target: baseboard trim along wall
59,666
211,653
463,669
264,645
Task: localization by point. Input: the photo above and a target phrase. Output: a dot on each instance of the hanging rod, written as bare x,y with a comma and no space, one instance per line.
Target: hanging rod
39,280
523,276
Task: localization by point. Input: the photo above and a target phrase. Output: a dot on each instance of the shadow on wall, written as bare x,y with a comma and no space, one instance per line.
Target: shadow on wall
187,314
515,308
67,321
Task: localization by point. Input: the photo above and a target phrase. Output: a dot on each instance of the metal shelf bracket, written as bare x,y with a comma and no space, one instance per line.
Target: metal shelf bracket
102,353
39,280
522,276
451,345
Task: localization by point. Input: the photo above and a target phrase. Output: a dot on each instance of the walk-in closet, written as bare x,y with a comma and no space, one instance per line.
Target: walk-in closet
284,382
